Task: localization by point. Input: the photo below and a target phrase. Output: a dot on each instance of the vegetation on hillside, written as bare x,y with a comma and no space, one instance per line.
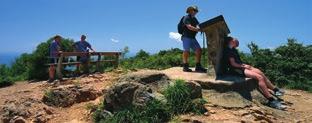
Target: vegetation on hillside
289,65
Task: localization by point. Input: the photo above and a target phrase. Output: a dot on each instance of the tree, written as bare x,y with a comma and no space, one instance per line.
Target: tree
142,54
124,52
33,66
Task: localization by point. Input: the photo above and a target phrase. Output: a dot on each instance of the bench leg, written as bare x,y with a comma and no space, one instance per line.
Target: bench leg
59,68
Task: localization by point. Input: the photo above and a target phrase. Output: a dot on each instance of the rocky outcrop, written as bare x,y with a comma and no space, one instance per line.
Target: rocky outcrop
140,87
196,89
125,94
154,79
64,96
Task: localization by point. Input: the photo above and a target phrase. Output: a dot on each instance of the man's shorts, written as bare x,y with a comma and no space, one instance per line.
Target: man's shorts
238,72
53,60
189,43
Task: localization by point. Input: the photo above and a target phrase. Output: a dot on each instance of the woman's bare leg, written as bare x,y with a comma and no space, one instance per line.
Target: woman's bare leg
261,82
267,81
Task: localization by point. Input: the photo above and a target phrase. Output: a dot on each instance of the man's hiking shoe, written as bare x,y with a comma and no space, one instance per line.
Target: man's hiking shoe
279,92
186,68
50,80
277,105
199,68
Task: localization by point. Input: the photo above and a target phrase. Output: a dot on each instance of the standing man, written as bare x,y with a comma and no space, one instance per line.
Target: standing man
189,41
83,46
54,49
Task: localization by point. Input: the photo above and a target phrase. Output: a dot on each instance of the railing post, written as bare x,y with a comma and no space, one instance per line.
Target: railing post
98,62
117,60
59,67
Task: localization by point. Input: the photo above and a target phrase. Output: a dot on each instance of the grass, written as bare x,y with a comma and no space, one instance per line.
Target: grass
50,98
178,97
154,112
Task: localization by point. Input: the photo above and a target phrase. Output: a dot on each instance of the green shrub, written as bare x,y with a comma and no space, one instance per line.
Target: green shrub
178,97
154,112
5,79
287,66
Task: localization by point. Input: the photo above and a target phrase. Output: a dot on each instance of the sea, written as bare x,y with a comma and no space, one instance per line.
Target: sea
8,58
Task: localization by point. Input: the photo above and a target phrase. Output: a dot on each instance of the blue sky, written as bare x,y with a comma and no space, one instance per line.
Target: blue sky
145,24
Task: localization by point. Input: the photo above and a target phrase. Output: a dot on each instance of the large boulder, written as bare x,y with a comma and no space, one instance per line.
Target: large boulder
125,94
196,89
64,96
154,79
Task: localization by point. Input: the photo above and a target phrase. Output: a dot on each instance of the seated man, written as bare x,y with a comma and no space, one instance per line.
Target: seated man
237,67
83,46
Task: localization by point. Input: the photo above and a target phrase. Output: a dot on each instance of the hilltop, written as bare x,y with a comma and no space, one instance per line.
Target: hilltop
24,100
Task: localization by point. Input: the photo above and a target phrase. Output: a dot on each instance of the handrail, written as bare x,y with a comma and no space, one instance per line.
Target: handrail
61,55
87,53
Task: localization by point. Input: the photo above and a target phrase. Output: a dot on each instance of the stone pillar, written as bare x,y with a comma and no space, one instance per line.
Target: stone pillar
216,30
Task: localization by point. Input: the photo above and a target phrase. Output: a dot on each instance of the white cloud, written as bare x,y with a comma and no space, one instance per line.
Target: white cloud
175,36
114,40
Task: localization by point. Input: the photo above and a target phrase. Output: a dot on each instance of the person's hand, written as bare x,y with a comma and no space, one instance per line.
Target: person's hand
246,66
198,29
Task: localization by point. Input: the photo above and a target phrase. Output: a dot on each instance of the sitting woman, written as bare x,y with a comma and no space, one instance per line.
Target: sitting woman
237,67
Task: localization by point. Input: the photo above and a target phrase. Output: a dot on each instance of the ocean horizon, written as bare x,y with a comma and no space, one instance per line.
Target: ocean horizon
8,58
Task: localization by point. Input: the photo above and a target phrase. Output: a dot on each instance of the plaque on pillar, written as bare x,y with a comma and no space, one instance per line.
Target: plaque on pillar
215,30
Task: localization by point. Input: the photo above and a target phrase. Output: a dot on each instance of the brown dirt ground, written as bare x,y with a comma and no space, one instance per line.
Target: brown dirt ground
77,113
300,109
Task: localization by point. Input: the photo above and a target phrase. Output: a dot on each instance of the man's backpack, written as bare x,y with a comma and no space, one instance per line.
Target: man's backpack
181,26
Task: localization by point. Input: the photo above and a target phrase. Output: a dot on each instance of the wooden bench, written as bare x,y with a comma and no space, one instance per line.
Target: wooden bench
100,55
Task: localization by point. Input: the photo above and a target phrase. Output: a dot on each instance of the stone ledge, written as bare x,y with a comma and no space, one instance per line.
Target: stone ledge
229,83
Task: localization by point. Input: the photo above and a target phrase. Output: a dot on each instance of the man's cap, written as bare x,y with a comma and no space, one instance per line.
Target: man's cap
190,8
57,36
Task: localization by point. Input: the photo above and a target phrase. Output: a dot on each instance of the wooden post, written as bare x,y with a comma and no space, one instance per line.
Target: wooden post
216,30
117,60
98,63
59,67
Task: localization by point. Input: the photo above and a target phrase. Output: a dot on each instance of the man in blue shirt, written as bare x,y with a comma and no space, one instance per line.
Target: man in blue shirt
83,46
54,49
189,40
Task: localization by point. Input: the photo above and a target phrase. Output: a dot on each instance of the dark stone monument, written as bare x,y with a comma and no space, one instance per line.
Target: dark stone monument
216,30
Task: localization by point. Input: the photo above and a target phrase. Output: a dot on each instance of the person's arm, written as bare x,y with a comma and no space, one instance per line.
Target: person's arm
187,22
234,64
190,27
90,47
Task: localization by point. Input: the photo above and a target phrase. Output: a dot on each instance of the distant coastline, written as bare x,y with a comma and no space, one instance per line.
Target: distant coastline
8,58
